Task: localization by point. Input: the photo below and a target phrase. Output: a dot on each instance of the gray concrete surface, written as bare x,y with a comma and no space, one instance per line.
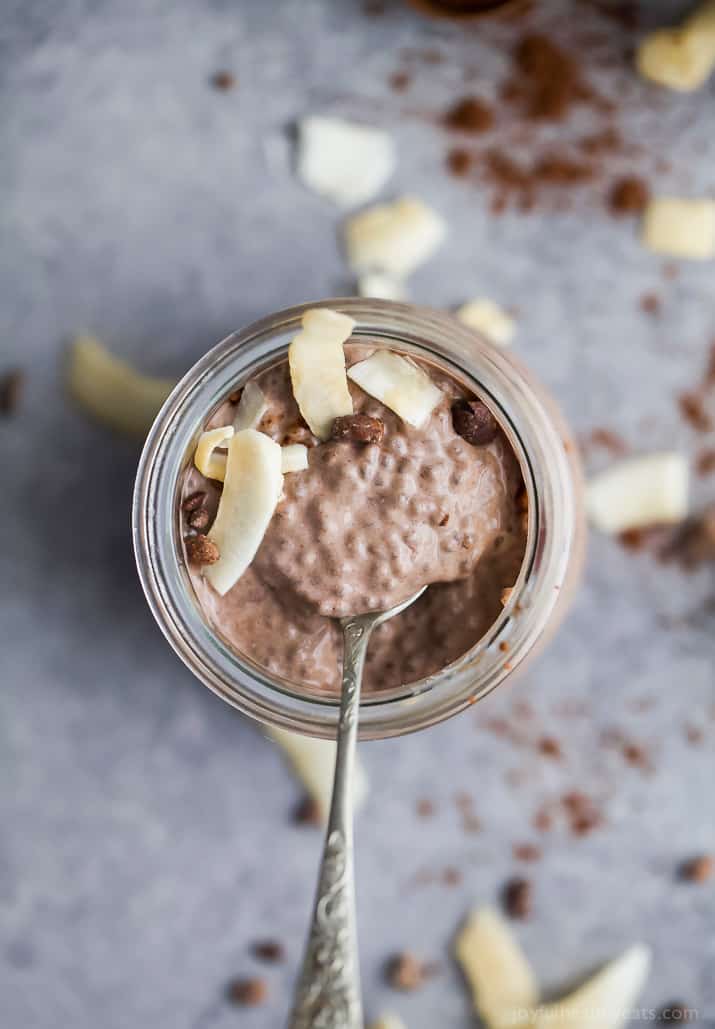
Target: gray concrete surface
146,834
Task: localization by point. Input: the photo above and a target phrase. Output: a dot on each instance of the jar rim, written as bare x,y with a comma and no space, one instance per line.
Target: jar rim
499,379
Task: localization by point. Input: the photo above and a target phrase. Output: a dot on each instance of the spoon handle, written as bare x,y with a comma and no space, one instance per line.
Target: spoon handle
328,993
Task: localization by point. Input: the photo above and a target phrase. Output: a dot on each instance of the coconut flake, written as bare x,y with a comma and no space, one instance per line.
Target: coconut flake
504,988
399,384
393,238
488,318
251,490
345,162
111,391
317,369
313,761
639,492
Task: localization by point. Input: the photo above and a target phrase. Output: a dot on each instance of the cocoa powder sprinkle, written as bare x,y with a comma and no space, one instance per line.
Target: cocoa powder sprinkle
628,195
470,114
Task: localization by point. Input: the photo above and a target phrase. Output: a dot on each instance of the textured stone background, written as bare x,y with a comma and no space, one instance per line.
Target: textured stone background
146,834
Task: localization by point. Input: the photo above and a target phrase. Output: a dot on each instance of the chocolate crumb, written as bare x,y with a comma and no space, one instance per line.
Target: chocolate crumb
550,747
406,972
705,462
474,422
444,520
628,195
400,81
542,821
636,755
308,812
451,876
199,519
694,734
358,428
223,81
269,950
299,434
248,992
425,808
11,385
194,501
697,869
459,161
470,114
650,303
693,411
694,543
518,898
526,852
233,398
582,813
201,550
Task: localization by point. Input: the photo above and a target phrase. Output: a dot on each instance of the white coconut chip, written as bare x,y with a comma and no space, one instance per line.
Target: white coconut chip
345,162
393,238
639,492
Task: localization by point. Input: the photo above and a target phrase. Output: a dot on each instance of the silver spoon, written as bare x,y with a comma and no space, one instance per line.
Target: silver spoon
328,992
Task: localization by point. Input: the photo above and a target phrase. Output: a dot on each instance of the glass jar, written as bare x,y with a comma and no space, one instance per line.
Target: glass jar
555,539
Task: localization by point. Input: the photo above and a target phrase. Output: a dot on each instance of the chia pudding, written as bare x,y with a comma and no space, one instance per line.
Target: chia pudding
378,508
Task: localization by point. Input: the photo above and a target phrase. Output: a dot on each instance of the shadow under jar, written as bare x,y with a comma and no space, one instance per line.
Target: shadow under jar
538,600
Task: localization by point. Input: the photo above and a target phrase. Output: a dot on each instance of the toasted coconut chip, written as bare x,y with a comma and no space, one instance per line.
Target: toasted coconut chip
347,163
317,369
314,763
393,238
399,384
503,985
604,1002
639,492
251,407
681,58
212,465
251,490
294,457
388,1022
484,316
680,228
382,287
111,390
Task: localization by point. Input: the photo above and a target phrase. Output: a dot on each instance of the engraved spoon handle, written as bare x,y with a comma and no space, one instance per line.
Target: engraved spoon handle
328,993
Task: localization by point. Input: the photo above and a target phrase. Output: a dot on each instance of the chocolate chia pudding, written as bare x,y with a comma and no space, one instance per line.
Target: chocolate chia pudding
378,508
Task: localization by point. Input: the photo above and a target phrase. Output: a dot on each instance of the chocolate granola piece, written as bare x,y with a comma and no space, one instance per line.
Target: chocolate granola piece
526,852
358,428
307,812
405,972
269,950
223,81
11,384
698,869
470,114
199,519
518,898
550,747
474,422
201,550
629,195
194,501
249,992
